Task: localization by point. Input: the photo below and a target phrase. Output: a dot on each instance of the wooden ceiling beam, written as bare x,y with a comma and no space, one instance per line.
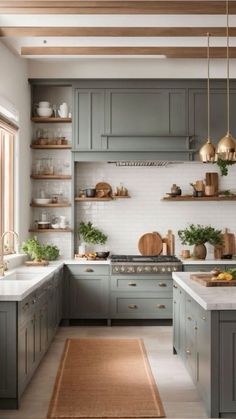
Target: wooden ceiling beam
113,31
170,52
116,7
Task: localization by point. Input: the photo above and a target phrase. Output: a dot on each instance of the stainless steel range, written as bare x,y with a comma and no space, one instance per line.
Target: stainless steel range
135,264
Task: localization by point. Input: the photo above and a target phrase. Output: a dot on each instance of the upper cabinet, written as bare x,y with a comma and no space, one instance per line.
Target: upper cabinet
130,119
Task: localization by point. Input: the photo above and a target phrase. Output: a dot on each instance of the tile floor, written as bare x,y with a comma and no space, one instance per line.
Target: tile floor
178,394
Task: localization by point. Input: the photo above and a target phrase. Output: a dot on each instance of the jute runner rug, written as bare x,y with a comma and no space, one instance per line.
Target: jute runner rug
105,378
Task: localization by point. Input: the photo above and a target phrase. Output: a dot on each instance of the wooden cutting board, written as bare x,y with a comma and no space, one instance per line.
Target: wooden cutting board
229,243
212,179
150,244
207,281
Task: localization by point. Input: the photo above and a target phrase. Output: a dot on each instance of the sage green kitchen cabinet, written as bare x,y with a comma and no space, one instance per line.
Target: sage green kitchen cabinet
26,328
140,298
206,267
89,119
89,291
179,320
8,352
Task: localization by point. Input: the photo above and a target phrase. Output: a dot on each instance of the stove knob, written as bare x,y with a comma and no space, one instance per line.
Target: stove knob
169,269
155,269
163,269
174,269
122,269
116,269
147,268
139,269
131,269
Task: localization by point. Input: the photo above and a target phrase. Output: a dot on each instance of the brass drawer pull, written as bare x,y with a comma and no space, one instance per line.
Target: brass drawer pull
132,284
161,306
89,270
132,306
162,284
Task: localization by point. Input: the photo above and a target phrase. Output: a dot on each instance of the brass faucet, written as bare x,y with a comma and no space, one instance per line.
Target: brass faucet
3,265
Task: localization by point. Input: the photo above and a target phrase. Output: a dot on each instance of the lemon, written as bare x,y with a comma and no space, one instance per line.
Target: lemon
221,276
228,277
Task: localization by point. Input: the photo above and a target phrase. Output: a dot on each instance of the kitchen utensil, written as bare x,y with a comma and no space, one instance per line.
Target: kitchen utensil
90,192
44,104
170,239
42,201
103,186
185,253
44,112
212,179
63,110
43,225
150,244
229,243
208,281
199,185
209,190
102,255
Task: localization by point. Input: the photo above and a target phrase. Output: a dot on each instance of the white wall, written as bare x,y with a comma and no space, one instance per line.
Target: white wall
14,87
125,220
129,68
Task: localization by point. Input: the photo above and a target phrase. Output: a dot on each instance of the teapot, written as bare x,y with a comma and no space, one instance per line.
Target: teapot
63,110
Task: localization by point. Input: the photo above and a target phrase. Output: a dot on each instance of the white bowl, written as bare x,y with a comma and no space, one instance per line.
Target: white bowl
44,104
55,225
42,201
44,112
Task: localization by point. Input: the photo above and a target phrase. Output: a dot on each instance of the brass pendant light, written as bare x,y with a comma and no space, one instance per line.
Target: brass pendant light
207,151
227,145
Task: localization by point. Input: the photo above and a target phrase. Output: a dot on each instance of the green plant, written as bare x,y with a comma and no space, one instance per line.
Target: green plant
222,164
36,251
90,234
199,234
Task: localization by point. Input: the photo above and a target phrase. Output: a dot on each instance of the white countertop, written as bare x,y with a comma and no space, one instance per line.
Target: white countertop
210,298
208,261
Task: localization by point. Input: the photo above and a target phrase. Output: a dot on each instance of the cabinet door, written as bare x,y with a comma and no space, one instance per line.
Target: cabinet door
179,320
43,329
204,355
52,311
227,367
8,345
191,338
200,267
89,119
89,297
27,352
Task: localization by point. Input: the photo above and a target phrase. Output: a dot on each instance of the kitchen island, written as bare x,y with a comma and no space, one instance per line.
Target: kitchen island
204,336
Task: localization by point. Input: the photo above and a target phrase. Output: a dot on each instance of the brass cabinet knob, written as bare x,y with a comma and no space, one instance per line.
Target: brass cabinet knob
89,270
132,284
203,318
161,306
188,352
189,318
175,286
162,284
132,306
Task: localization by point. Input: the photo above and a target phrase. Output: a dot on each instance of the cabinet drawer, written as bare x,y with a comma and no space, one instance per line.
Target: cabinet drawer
133,307
88,269
140,284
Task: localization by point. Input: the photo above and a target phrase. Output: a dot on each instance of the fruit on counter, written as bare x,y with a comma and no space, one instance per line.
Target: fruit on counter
225,276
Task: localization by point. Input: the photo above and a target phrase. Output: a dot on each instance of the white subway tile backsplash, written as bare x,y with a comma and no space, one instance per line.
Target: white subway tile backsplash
124,221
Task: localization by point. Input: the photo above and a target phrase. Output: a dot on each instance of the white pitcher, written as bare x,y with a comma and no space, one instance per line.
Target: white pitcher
63,110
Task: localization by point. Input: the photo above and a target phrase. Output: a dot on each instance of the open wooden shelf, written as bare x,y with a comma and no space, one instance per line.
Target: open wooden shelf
198,199
121,196
56,177
109,198
51,147
51,119
92,199
50,230
59,205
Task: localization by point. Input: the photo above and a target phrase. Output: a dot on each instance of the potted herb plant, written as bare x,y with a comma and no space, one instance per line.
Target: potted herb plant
91,235
198,235
40,254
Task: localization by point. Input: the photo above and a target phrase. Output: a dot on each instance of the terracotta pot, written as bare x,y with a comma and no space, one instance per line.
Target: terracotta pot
200,251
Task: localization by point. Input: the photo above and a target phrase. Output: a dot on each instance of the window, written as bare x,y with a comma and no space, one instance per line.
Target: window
7,135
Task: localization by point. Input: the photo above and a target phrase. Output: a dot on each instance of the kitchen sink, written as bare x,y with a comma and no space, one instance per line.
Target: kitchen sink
20,276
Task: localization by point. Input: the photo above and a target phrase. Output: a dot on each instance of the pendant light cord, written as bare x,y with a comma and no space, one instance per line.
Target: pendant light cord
208,86
227,35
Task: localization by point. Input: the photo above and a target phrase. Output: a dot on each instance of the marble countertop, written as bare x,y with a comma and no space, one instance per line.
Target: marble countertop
208,261
210,298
